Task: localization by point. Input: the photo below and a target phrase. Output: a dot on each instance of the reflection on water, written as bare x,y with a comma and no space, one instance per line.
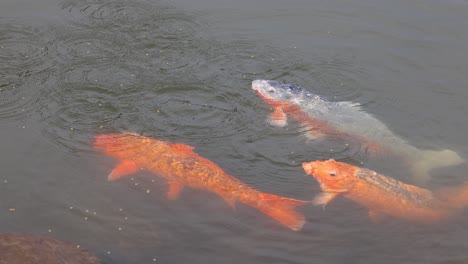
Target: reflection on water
145,66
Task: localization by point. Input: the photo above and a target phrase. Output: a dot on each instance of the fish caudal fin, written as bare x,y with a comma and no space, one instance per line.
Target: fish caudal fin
430,159
282,210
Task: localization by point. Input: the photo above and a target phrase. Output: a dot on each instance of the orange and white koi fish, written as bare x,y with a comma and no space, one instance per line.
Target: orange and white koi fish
385,196
181,166
346,120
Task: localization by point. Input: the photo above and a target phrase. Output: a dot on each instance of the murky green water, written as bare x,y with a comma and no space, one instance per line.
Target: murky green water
181,71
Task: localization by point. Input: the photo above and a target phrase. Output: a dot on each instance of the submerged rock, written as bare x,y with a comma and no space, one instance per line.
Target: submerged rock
29,249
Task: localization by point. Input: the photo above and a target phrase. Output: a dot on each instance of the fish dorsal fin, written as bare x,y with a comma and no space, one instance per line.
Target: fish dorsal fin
422,192
366,173
188,150
350,104
183,149
211,165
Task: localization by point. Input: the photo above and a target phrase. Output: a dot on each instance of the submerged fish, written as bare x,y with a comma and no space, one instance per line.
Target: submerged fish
181,166
385,196
346,120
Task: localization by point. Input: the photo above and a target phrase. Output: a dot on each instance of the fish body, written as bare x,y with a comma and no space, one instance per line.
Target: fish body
181,166
385,196
346,120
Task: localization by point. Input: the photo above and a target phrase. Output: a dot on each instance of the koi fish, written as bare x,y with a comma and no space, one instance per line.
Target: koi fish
181,166
385,196
346,120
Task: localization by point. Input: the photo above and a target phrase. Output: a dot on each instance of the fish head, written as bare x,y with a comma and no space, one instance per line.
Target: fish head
117,145
276,93
332,175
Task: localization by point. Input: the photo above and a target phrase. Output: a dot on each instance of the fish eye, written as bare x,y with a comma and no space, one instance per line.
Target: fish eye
333,174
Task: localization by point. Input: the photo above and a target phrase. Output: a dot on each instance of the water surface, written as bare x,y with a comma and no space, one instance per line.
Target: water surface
181,71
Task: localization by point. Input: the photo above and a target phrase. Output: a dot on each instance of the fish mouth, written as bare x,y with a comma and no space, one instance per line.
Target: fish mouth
257,84
308,168
264,97
311,170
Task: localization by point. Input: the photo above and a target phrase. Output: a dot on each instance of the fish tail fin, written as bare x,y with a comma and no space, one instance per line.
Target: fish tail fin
282,210
431,159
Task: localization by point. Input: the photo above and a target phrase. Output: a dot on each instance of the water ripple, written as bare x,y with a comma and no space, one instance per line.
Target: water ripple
154,70
141,67
82,45
142,19
24,68
89,98
339,78
245,60
21,47
92,13
184,111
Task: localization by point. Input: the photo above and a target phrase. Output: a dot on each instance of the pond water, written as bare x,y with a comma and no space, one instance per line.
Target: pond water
181,71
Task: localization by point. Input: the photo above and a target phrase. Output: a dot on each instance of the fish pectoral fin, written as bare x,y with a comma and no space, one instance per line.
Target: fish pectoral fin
124,168
314,134
278,118
174,190
376,217
324,198
231,201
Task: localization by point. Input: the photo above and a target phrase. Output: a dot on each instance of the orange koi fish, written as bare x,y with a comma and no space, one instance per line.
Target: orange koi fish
385,196
348,121
181,166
